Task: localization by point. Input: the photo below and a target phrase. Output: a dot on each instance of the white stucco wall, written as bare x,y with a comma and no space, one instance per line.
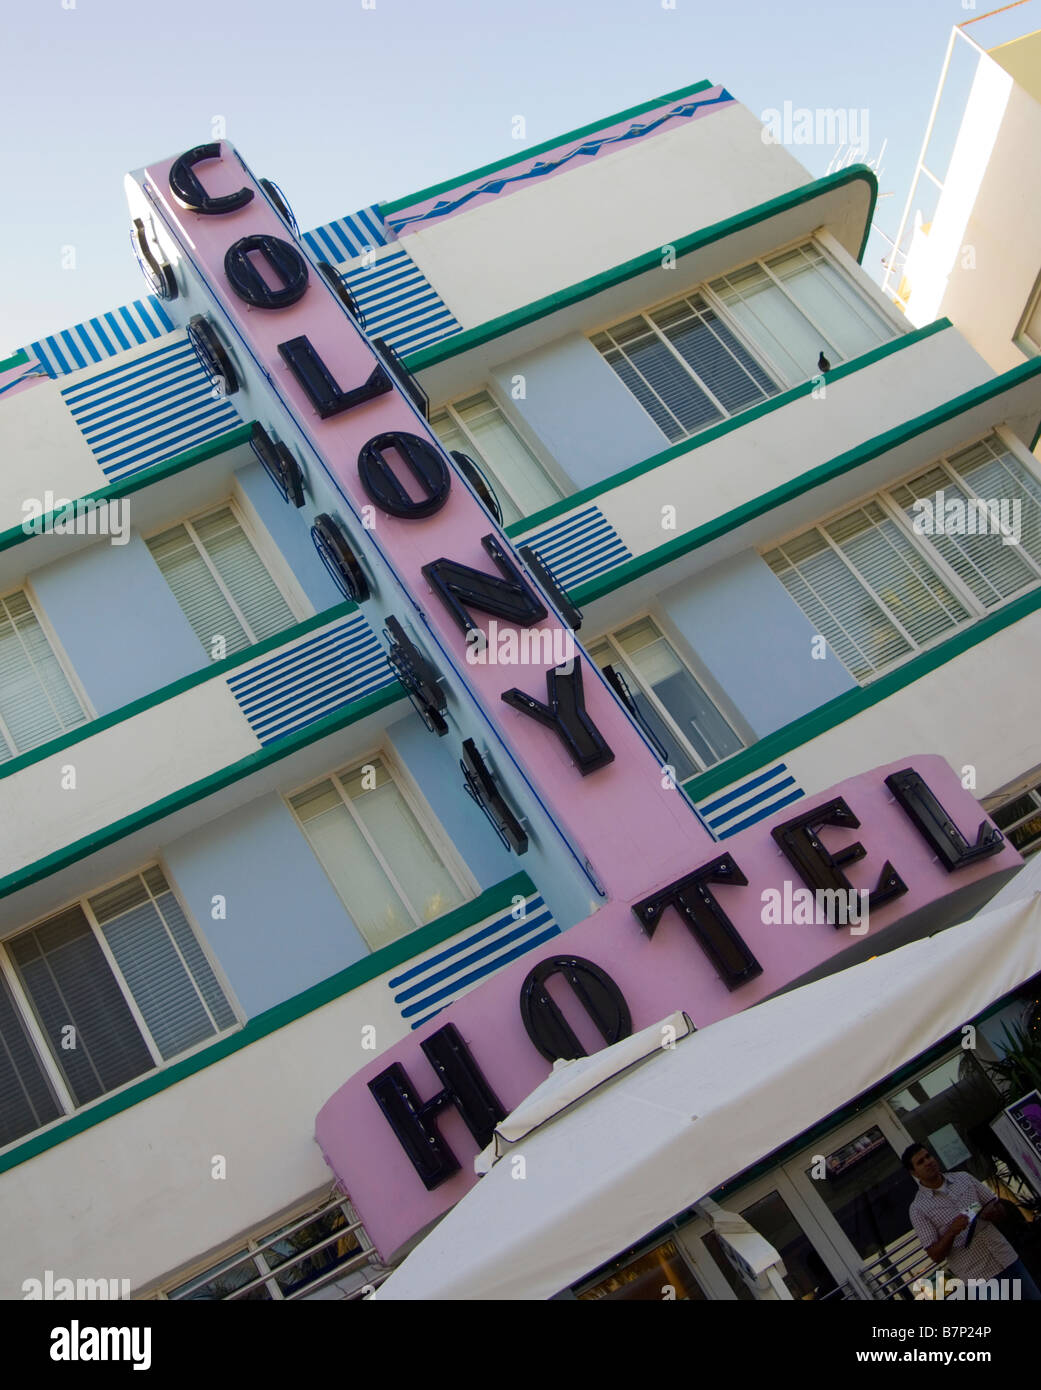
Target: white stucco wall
518,248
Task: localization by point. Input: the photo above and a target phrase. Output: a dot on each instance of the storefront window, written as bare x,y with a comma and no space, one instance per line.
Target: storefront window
867,1190
949,1108
660,1274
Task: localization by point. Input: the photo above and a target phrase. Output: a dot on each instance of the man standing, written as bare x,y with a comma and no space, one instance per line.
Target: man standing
942,1213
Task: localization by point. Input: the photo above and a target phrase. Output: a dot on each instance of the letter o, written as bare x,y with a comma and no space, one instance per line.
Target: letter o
598,994
248,283
425,463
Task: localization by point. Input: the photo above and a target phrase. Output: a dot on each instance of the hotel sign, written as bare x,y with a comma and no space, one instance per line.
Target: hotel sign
554,758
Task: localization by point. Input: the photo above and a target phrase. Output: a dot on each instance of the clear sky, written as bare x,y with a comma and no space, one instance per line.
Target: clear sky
349,102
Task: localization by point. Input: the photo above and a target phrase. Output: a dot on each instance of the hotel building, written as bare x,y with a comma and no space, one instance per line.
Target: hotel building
287,848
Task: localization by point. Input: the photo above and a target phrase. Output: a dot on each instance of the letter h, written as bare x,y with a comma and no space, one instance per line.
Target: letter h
414,1121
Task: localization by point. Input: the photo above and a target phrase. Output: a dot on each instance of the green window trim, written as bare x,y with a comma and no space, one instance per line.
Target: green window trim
491,901
650,260
744,417
156,473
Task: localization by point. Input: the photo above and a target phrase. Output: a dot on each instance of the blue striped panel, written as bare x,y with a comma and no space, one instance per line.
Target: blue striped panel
749,801
102,337
579,547
291,689
348,236
399,302
438,979
141,412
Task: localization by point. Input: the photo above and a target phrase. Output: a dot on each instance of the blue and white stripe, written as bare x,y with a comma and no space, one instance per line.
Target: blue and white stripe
427,987
292,689
348,236
579,547
399,303
145,411
103,337
748,801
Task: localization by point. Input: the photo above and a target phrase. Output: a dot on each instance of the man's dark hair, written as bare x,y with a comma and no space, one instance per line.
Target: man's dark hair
907,1157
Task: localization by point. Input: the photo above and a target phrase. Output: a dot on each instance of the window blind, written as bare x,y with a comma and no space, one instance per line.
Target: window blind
521,484
27,1099
162,962
36,700
233,596
69,984
387,894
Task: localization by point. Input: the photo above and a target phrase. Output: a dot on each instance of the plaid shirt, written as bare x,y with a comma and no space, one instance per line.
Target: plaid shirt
933,1210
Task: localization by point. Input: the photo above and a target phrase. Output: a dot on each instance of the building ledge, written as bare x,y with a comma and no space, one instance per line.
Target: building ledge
843,203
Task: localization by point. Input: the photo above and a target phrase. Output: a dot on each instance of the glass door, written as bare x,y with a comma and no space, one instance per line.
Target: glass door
860,1194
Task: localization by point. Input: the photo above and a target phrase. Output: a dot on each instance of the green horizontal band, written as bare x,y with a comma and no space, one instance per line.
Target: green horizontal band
694,539
154,474
177,687
745,417
639,265
197,791
489,902
853,702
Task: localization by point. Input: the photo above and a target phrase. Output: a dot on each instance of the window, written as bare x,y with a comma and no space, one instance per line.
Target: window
382,863
1019,816
36,700
116,985
674,705
798,304
920,560
323,1251
1028,335
478,427
740,340
220,581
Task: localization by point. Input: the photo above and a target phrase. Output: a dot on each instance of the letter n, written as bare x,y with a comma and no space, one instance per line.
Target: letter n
512,599
414,1121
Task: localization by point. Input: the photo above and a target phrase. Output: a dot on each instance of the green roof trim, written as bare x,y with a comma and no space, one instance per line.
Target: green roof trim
154,474
177,687
691,540
204,787
396,204
492,900
687,446
17,359
853,702
639,265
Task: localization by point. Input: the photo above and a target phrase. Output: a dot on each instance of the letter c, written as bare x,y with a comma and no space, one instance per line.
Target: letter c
190,193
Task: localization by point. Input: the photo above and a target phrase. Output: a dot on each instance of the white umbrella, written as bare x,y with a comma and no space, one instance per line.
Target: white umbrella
670,1129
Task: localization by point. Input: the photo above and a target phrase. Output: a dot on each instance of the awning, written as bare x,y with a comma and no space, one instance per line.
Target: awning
666,1132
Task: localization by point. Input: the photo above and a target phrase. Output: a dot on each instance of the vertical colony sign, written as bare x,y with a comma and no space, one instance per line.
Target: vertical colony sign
560,765
574,763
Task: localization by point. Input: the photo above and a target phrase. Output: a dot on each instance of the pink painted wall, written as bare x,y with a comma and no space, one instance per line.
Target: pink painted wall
657,976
